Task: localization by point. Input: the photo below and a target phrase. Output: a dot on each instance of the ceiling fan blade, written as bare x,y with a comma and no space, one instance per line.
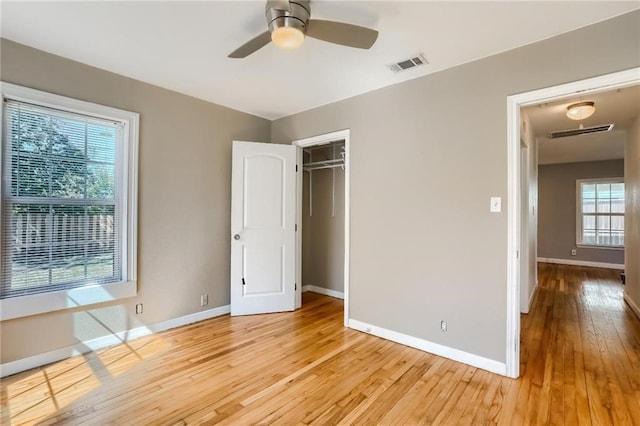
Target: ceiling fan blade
341,33
251,46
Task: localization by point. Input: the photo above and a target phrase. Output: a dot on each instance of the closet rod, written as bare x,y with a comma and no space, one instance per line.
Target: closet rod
330,166
323,163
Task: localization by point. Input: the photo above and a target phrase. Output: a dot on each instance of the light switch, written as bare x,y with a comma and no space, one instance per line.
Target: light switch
496,204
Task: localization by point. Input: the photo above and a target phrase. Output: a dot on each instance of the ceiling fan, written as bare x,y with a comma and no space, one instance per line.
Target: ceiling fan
289,22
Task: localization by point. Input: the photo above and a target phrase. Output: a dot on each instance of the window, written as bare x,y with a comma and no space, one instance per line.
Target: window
601,212
68,202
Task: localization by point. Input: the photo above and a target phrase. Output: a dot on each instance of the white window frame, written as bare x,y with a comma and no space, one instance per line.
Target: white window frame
21,306
579,213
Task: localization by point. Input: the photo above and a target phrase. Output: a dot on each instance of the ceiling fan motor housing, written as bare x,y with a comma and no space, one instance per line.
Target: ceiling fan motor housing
297,16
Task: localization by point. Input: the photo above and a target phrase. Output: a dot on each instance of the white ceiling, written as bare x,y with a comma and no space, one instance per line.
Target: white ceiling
183,46
619,107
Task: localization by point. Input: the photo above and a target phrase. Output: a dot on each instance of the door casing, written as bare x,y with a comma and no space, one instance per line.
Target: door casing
588,86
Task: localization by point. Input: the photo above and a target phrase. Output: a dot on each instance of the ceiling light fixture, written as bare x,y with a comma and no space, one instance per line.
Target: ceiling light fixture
287,38
581,110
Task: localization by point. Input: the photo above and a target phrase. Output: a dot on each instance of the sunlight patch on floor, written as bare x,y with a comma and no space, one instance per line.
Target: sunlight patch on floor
46,391
42,392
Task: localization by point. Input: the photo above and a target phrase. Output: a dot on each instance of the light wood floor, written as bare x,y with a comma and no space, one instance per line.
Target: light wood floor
580,365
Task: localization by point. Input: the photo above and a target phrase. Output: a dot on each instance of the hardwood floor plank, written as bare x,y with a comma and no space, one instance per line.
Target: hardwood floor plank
580,364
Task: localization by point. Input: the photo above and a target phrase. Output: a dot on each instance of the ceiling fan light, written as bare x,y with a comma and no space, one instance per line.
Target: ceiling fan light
287,38
581,110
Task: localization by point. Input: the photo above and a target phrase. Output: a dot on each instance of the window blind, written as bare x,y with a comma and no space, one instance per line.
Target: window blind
61,214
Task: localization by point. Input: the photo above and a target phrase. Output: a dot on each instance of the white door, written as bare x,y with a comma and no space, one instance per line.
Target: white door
263,212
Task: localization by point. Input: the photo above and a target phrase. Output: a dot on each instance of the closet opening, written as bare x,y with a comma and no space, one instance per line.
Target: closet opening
322,240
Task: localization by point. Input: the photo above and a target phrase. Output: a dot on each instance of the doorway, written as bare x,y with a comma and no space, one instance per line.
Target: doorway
516,238
322,240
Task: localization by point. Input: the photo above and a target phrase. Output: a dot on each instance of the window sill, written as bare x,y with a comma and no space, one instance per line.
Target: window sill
18,307
589,246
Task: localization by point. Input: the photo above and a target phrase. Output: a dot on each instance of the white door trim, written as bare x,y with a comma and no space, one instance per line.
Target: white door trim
321,140
514,103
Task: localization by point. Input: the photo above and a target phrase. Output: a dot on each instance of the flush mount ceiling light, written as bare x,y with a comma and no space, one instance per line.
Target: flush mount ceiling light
581,110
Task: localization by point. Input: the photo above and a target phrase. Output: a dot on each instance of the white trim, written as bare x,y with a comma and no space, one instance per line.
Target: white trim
34,361
38,97
321,140
322,290
634,307
514,103
533,294
581,263
529,303
434,348
586,246
513,239
299,195
16,307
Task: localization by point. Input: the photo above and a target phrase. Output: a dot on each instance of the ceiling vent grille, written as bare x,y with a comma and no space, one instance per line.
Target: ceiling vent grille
412,62
583,131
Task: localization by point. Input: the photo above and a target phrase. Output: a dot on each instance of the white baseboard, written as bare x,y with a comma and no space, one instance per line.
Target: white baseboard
581,263
533,293
80,348
322,290
527,308
434,348
530,301
634,307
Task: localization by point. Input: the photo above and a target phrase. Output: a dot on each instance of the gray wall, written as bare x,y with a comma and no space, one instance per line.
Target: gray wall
426,156
424,246
557,219
322,233
184,200
632,213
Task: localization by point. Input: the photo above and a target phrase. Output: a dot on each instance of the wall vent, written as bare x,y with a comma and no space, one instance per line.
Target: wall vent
414,61
582,131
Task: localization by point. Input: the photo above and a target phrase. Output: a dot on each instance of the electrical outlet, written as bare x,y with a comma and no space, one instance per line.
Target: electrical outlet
443,325
139,308
574,252
204,300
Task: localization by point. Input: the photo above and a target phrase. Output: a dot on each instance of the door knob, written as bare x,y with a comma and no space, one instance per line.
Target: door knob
236,237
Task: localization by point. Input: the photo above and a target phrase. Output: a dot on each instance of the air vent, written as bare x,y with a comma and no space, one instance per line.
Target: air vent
414,61
583,131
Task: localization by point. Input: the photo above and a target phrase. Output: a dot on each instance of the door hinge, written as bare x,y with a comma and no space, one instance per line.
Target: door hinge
243,283
295,227
296,167
295,286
